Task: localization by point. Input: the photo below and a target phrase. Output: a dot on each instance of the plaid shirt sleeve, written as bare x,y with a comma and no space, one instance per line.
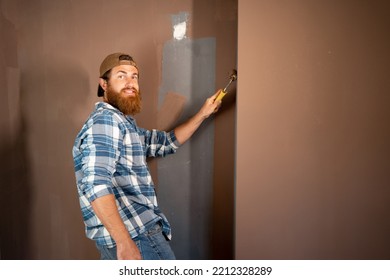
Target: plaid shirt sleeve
99,151
159,143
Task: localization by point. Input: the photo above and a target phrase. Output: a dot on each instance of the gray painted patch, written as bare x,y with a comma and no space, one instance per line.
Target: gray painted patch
186,178
179,18
179,23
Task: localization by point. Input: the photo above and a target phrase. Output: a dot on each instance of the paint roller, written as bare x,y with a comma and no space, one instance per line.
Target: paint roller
223,92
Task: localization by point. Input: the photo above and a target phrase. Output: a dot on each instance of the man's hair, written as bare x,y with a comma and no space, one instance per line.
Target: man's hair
106,76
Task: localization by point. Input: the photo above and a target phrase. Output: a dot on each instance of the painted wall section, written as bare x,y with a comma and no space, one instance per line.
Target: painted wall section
186,180
313,130
179,24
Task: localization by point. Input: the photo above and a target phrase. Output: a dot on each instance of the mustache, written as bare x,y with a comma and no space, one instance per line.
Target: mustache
131,88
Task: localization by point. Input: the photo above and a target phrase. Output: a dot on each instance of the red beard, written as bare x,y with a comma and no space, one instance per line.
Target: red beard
128,105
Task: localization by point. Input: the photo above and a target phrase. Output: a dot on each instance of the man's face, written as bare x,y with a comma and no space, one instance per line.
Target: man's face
122,89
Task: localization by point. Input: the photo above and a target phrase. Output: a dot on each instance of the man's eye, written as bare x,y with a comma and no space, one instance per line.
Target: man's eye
121,76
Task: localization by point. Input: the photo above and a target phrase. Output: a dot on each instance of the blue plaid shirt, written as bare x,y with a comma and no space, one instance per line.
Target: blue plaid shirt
110,158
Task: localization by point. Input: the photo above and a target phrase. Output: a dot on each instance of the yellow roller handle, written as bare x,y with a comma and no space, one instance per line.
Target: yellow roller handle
221,94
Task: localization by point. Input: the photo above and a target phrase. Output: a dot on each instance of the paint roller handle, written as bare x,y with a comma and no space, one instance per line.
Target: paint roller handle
221,95
223,92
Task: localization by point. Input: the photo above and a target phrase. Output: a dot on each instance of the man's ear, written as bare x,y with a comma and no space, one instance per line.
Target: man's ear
103,83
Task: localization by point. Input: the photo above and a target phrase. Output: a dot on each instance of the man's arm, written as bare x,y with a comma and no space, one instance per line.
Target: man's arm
106,210
184,131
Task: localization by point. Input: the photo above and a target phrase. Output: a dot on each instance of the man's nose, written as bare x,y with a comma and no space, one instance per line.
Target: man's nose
131,82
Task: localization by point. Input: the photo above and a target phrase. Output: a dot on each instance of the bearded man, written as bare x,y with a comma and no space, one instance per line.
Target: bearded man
116,191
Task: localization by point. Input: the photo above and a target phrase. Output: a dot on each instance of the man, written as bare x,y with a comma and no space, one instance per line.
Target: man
116,191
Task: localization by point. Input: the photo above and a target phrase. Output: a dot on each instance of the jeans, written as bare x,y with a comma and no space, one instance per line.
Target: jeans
152,245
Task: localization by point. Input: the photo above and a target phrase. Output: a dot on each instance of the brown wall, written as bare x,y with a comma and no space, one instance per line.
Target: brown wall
313,136
50,52
15,192
221,20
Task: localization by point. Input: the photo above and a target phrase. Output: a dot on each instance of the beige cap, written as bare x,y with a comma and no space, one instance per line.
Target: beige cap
110,62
